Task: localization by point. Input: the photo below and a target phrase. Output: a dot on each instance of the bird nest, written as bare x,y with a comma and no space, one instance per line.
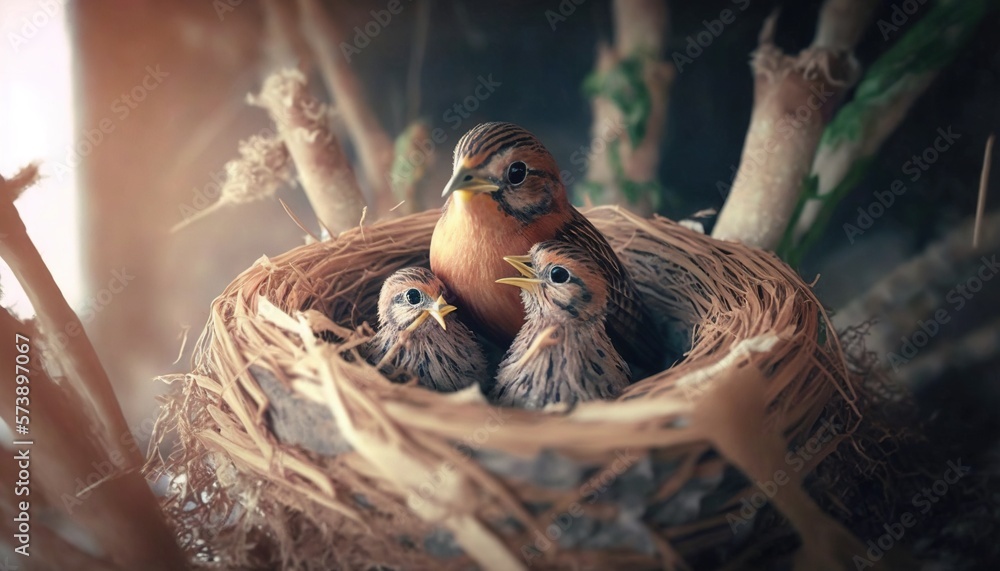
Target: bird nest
291,451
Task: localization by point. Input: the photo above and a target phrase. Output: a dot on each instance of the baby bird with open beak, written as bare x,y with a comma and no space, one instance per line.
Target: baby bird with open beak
563,353
414,340
506,195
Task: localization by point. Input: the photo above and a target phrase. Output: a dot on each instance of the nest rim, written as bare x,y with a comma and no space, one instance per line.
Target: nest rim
722,327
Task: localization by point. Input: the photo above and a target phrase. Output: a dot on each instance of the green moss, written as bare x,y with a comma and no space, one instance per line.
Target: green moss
924,48
625,86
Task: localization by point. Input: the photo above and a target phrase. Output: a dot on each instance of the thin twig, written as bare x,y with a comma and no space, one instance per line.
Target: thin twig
413,73
361,223
984,181
184,337
204,212
297,220
374,146
263,166
323,168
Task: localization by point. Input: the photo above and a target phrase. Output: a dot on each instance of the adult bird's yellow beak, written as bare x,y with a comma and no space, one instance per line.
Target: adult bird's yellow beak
466,183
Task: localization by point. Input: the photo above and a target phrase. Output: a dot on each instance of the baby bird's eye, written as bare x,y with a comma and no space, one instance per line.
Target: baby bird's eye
517,172
413,296
559,275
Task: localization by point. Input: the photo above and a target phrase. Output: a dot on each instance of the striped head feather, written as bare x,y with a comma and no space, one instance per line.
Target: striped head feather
570,285
409,294
511,166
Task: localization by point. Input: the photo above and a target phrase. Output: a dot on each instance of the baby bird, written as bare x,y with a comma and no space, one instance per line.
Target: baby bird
563,352
439,357
506,196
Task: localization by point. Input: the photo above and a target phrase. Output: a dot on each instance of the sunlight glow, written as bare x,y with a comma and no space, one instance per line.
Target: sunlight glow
37,124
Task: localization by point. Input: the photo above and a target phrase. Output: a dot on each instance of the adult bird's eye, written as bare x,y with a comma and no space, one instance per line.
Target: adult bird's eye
413,296
516,173
559,275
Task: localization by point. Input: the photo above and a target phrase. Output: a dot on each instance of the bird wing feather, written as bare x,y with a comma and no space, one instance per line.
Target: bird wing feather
630,325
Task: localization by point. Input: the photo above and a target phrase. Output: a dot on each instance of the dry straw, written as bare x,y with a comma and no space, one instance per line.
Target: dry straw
290,450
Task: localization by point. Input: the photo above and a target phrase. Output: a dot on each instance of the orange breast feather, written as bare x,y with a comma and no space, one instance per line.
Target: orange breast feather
467,250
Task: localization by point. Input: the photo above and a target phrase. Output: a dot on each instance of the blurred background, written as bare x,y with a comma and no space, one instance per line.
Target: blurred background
133,108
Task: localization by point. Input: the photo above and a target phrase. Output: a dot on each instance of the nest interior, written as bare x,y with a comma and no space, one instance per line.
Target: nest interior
291,450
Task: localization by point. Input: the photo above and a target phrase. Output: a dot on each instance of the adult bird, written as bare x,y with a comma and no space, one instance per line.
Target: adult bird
409,345
506,196
563,353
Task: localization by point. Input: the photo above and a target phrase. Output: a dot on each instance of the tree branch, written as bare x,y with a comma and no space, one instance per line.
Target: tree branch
374,146
122,515
881,102
904,295
323,168
842,23
794,97
978,347
626,171
78,358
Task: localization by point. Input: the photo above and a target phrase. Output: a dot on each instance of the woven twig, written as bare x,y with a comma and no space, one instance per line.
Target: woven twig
415,472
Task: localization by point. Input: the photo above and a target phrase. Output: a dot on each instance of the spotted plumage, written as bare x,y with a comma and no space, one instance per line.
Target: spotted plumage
420,344
506,196
563,353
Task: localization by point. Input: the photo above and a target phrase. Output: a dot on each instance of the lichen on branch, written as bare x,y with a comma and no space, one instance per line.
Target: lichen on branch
629,92
323,169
